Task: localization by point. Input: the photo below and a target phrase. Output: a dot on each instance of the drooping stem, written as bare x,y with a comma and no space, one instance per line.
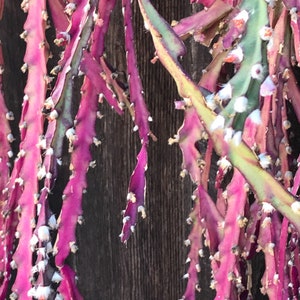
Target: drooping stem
168,48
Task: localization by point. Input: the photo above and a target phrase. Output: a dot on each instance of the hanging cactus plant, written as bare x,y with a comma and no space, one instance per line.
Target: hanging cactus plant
243,109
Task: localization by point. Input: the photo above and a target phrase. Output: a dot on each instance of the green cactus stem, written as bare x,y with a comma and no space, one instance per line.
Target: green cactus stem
243,158
80,31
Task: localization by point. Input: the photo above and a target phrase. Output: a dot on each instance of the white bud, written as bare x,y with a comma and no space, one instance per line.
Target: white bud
42,265
240,104
19,180
43,233
235,56
10,138
218,123
267,207
73,247
141,209
49,247
96,141
131,197
226,92
242,15
187,242
126,219
32,291
42,252
295,206
265,33
224,164
56,277
210,101
264,160
41,172
38,208
42,292
70,8
267,87
13,265
10,116
237,138
229,132
257,72
49,151
21,153
52,222
70,134
255,116
59,297
53,115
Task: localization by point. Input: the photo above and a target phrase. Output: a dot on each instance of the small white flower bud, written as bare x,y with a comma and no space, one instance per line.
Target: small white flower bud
240,104
295,206
218,123
43,233
257,72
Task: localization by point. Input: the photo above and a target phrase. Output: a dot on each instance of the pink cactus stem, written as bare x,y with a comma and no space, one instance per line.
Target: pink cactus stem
202,20
206,3
29,156
136,194
205,218
236,27
295,23
111,80
96,74
68,288
137,185
105,8
81,138
229,250
291,4
189,133
267,241
275,48
212,220
292,93
72,195
196,250
77,38
208,163
210,77
58,15
6,138
7,222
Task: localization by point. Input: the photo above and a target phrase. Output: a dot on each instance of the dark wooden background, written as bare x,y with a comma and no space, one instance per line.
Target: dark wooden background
152,264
